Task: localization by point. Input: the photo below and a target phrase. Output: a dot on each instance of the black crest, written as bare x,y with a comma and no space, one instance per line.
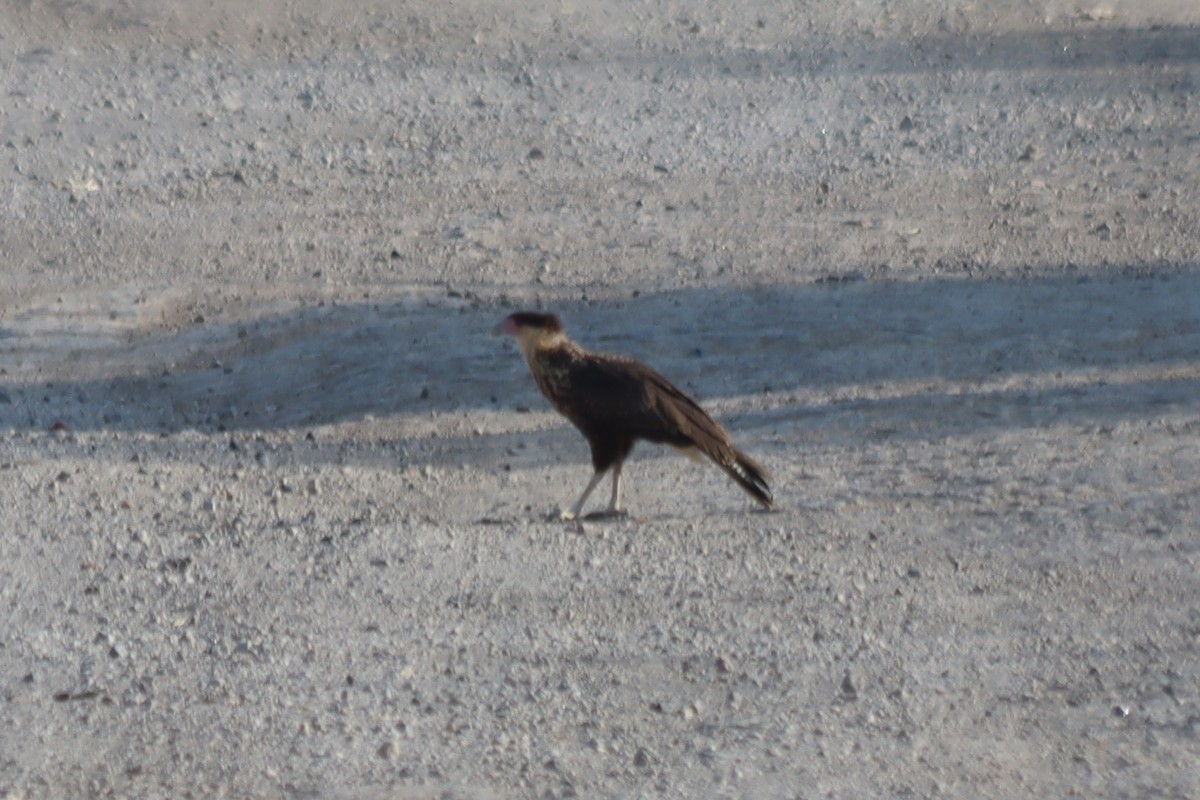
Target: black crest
538,320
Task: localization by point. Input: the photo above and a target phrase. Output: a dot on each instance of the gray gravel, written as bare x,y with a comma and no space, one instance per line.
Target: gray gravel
273,506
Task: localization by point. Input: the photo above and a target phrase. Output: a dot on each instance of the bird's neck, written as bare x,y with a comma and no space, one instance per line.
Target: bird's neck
536,348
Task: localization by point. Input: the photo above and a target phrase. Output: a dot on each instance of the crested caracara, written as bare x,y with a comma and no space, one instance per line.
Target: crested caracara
614,401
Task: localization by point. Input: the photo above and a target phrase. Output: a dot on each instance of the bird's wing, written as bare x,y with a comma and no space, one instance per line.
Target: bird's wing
619,393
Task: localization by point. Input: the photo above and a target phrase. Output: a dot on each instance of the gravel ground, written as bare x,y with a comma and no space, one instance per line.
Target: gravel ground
273,505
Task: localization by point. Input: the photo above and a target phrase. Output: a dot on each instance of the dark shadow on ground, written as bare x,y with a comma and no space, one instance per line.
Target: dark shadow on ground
1080,48
1024,352
1083,48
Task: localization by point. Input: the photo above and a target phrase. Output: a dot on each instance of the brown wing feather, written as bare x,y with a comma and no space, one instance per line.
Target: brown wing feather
613,395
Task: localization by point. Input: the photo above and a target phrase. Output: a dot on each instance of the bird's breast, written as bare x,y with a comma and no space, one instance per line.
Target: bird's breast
553,377
555,383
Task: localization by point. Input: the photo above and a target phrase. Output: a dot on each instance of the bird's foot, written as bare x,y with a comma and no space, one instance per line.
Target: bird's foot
606,515
594,516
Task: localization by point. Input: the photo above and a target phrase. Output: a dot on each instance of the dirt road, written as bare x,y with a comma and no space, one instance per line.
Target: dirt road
273,505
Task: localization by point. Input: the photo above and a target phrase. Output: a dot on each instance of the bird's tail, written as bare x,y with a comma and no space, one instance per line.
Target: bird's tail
751,476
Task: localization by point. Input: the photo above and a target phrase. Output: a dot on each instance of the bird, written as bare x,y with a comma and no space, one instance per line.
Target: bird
615,401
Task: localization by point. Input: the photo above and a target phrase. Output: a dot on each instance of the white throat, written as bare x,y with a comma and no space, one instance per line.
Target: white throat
532,340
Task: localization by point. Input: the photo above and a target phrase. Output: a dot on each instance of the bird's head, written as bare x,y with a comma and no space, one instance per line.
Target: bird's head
531,329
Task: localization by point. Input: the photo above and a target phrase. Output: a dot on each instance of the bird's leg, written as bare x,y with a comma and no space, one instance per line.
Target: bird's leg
614,503
574,512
